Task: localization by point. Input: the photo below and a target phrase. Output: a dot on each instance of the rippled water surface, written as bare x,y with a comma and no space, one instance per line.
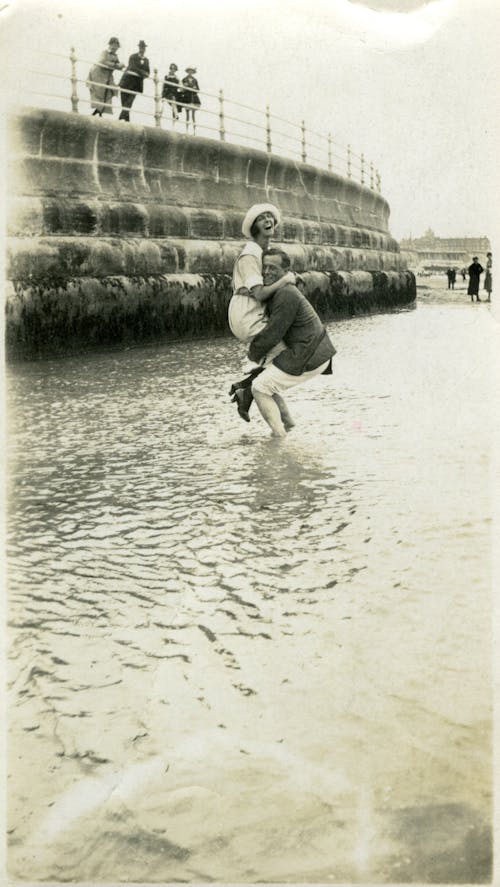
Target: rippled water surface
234,659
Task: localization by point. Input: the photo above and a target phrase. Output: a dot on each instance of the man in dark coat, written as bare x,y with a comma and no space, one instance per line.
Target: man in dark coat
475,270
309,349
132,79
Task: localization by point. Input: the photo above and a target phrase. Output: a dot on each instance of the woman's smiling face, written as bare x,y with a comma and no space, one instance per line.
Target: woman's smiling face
265,224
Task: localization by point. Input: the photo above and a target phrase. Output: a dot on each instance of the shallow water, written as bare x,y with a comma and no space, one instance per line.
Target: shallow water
238,659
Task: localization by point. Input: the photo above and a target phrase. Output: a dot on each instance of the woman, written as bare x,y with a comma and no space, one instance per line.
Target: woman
189,96
488,277
100,80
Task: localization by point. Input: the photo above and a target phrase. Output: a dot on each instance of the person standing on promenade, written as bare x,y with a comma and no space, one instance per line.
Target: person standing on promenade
171,91
488,277
453,278
247,311
474,271
190,97
132,80
309,349
100,81
449,275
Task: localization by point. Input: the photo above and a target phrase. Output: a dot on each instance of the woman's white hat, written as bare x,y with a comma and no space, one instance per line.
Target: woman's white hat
256,210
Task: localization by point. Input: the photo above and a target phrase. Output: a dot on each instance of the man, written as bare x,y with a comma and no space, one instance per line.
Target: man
132,79
475,270
308,350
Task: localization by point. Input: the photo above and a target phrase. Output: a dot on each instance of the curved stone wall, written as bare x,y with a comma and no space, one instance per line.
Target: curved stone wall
103,214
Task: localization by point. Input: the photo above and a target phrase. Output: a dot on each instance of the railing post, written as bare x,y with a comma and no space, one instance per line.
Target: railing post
74,94
371,176
222,131
268,131
362,168
330,151
158,109
349,162
303,141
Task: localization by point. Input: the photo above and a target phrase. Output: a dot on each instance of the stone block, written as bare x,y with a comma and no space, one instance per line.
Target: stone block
162,150
256,174
24,132
72,137
233,164
70,216
131,183
125,219
292,230
35,175
203,257
24,217
27,258
120,144
200,157
205,224
169,257
312,232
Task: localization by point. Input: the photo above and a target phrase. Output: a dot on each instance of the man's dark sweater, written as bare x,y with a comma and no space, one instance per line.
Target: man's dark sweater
293,320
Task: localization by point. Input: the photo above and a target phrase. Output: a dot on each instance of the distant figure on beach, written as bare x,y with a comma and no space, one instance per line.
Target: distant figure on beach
132,80
449,275
309,349
247,311
100,81
464,274
475,270
171,91
488,277
189,96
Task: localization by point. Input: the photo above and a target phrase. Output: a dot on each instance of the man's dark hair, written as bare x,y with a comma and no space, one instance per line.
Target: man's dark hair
275,251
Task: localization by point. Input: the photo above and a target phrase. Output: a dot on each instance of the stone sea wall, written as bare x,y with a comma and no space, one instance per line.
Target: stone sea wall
120,233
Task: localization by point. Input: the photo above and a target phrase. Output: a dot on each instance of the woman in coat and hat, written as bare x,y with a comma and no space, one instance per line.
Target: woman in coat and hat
100,81
189,96
132,80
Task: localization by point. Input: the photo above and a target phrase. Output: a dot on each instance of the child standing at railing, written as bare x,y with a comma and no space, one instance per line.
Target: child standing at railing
171,91
190,97
100,81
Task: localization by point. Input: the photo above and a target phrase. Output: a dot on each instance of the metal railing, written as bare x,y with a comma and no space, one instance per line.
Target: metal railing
253,127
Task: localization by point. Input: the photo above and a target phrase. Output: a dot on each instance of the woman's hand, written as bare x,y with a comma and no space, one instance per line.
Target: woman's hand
287,278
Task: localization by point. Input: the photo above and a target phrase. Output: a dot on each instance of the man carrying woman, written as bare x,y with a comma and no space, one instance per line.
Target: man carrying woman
247,311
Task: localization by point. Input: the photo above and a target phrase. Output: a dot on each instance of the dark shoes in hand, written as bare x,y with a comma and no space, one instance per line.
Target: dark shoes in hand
243,397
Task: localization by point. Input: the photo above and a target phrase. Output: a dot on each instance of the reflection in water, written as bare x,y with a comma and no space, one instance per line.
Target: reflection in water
247,660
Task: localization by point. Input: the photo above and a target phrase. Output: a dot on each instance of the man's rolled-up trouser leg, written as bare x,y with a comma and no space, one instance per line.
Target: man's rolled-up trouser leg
275,381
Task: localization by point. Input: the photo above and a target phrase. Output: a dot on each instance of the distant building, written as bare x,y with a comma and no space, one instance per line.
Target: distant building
430,253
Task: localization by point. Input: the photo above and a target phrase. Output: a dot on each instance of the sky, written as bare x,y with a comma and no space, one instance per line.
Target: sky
411,84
